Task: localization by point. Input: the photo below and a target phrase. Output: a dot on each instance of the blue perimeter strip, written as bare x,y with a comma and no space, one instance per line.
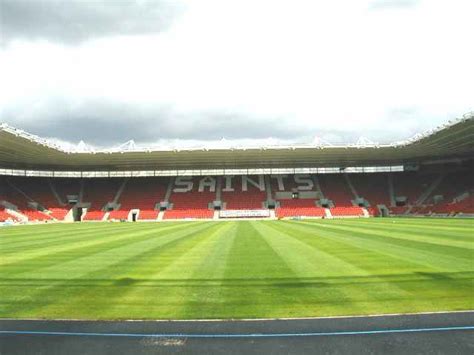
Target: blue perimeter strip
256,335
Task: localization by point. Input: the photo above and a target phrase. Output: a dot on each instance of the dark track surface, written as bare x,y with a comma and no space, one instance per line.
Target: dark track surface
440,341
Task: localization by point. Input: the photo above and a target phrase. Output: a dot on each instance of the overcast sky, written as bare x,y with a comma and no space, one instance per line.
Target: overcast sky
162,71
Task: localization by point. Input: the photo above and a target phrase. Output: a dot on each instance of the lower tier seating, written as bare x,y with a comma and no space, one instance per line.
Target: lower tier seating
94,216
346,211
58,213
192,213
121,214
34,215
398,210
5,216
300,212
146,215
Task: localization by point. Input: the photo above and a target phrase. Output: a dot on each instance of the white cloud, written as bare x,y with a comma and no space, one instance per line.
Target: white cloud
315,66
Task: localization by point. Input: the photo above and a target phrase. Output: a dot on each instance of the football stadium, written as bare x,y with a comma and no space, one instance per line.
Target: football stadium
236,177
267,233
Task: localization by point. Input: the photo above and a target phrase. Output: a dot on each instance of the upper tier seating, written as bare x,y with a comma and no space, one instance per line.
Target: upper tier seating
191,204
334,187
67,187
452,185
100,191
252,199
411,185
372,187
38,190
143,194
14,191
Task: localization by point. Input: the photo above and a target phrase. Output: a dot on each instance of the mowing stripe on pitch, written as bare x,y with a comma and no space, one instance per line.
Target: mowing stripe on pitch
256,335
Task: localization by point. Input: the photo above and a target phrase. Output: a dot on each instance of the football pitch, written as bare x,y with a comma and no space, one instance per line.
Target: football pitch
236,269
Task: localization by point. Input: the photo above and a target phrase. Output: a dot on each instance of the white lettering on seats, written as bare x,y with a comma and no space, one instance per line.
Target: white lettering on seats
279,179
185,183
209,182
259,185
228,184
304,179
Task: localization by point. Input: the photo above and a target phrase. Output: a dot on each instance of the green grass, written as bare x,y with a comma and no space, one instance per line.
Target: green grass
244,269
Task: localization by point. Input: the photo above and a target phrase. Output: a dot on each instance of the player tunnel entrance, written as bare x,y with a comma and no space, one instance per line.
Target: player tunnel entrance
77,214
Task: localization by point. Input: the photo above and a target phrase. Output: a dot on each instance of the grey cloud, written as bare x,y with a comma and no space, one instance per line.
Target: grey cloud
75,21
106,123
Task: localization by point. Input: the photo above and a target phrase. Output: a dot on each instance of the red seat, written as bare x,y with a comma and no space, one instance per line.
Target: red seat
347,211
94,216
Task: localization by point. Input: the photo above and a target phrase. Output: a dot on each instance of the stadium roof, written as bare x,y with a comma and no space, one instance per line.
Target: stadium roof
454,140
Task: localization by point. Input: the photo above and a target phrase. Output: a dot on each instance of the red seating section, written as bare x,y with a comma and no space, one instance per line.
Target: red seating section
188,213
38,190
397,210
143,194
34,215
16,195
120,214
372,187
252,199
466,205
94,216
452,186
192,204
58,213
148,214
67,187
334,187
373,211
100,191
411,185
346,211
5,216
299,207
11,195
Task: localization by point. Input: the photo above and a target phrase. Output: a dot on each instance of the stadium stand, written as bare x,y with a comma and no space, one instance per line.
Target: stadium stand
430,174
98,193
58,213
142,194
411,185
35,215
5,216
347,211
335,188
373,188
192,203
294,206
299,207
452,195
251,198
